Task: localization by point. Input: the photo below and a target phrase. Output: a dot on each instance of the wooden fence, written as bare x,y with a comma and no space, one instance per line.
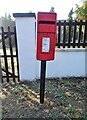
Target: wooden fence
9,62
71,34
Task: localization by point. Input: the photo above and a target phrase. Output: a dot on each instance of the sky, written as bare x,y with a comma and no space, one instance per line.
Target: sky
62,7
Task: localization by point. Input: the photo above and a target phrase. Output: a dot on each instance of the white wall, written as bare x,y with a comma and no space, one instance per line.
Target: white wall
68,62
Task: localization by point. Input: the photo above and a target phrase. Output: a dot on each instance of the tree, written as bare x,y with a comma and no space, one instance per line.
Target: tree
52,9
9,16
81,11
70,19
6,15
70,15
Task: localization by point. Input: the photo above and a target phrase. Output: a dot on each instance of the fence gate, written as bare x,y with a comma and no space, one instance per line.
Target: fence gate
9,56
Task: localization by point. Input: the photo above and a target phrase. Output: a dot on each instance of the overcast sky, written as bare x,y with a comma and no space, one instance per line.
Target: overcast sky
62,7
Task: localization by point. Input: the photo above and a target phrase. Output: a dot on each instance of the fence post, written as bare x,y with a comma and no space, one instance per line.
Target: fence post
0,72
5,56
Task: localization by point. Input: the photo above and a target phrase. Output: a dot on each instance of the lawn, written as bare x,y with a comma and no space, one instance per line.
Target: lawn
64,98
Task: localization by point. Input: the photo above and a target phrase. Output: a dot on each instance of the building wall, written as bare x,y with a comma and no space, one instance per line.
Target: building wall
67,62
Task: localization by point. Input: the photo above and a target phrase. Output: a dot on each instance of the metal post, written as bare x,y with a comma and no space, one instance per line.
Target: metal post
42,80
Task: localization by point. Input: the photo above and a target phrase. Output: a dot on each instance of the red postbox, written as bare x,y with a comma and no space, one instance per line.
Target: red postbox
46,35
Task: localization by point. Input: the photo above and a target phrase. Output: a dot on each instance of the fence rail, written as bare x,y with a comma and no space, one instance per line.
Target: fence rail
6,73
71,34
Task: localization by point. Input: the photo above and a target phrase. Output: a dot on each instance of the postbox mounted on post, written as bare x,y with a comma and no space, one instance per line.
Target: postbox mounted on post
45,45
46,35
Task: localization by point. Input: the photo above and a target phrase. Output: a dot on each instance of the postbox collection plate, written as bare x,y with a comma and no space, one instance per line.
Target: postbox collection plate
45,44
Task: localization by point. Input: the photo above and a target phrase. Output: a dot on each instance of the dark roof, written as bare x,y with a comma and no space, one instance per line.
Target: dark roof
24,15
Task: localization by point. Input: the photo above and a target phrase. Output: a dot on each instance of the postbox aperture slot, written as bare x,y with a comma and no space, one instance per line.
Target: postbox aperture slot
46,22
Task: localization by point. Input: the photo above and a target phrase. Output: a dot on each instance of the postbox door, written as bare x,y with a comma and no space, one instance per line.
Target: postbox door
45,46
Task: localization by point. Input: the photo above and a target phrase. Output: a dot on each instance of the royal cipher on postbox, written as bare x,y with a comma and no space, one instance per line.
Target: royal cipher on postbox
46,35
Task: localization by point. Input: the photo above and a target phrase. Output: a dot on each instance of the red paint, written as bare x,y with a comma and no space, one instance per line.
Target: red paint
46,27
